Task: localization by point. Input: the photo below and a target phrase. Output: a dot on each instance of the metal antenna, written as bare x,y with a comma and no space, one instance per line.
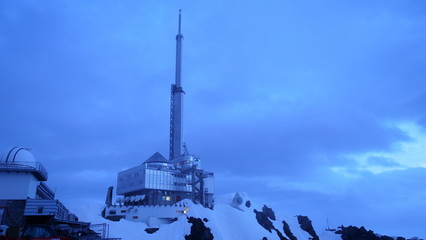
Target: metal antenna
180,13
176,101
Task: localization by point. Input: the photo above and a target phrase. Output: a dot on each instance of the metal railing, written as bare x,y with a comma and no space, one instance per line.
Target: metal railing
102,229
34,167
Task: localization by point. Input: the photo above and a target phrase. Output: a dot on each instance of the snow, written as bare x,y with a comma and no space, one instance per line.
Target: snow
225,222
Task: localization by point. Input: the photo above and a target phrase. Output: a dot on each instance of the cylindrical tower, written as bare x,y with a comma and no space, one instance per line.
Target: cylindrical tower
176,103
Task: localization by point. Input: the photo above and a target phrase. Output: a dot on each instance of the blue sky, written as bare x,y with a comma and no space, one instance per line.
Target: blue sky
316,107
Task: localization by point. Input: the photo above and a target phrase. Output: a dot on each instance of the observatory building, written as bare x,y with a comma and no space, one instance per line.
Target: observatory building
156,191
25,198
22,177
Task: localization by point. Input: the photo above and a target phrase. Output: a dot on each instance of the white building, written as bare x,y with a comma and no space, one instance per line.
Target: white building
22,177
25,198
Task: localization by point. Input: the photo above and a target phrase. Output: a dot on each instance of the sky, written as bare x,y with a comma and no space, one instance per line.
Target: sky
313,107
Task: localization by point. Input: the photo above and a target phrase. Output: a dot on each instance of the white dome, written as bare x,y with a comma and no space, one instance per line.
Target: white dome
18,154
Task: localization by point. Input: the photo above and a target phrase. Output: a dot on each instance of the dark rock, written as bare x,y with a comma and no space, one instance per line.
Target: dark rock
386,238
269,212
400,238
263,220
355,233
280,235
198,230
151,230
205,220
264,238
237,201
288,232
306,225
248,203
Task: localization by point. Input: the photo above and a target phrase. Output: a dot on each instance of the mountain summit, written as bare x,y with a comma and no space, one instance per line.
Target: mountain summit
235,216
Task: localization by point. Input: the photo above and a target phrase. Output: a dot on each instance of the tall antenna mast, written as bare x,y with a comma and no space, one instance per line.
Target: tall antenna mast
176,102
180,18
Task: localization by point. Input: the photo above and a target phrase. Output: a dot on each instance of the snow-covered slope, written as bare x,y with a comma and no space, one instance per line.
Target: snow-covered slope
231,219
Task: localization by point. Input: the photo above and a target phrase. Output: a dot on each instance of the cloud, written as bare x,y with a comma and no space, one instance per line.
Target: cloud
381,202
403,154
304,103
381,161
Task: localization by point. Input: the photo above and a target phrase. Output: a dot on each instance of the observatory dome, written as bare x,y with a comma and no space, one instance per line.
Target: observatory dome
18,154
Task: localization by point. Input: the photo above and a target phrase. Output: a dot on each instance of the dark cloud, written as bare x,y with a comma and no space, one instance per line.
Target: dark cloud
283,144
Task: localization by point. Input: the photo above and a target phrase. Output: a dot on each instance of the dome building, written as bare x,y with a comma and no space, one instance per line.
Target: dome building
25,198
22,177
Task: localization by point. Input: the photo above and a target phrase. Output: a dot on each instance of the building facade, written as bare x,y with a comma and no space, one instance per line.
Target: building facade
158,181
25,198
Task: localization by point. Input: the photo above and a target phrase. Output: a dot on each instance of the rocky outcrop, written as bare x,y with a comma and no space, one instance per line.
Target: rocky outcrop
237,201
151,230
269,212
263,220
198,230
248,204
355,233
288,232
280,235
306,225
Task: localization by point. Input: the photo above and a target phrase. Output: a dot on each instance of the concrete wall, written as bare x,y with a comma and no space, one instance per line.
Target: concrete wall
17,185
151,215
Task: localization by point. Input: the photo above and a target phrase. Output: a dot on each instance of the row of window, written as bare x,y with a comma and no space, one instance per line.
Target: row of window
154,179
